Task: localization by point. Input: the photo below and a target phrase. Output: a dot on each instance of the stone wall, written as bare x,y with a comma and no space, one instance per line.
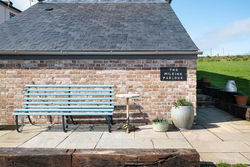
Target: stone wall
132,75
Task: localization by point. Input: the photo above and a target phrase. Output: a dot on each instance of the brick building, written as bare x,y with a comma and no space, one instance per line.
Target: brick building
121,43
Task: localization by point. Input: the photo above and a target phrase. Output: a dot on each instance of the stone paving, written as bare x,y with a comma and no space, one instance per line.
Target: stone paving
217,136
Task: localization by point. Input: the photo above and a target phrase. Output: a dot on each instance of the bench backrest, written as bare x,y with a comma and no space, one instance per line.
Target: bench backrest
69,98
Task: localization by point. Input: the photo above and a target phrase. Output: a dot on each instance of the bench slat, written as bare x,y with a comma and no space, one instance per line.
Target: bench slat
59,114
72,90
66,103
71,86
101,98
68,94
60,110
69,107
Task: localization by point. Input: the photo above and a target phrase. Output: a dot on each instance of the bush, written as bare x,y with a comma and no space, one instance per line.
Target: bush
160,121
182,102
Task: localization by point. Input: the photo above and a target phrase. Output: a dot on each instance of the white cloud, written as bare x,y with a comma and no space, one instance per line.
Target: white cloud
23,4
234,34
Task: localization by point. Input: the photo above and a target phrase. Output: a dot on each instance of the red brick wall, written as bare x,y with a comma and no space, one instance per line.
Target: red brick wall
137,76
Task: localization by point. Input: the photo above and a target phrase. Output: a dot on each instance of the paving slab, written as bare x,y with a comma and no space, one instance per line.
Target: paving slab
6,144
14,139
146,132
118,135
247,155
231,158
46,140
4,132
170,143
247,142
221,128
234,136
175,135
81,140
201,135
214,115
223,147
122,143
240,122
241,127
49,138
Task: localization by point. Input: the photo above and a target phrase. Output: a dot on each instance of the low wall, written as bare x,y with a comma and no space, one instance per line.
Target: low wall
140,76
12,157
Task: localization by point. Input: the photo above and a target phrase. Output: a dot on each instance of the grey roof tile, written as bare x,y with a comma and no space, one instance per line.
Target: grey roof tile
96,26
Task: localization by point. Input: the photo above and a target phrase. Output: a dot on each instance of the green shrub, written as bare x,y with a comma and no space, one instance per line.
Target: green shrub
228,165
224,58
160,121
239,165
182,102
223,165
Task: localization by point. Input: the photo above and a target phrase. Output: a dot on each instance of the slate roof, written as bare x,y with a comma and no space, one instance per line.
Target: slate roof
96,27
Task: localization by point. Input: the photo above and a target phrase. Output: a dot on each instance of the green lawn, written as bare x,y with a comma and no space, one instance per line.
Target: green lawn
222,71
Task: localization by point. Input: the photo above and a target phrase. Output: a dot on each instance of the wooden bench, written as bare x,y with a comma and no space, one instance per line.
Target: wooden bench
66,101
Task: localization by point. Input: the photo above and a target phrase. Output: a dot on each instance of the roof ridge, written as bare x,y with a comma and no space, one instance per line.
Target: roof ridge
105,1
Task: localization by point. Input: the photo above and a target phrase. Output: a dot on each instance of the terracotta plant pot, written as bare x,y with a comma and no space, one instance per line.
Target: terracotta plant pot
206,80
160,127
241,100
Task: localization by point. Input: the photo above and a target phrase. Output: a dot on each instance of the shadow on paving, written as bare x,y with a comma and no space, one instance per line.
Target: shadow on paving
211,115
7,127
136,115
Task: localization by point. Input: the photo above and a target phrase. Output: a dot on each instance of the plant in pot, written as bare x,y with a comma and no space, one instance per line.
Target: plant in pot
182,114
160,125
206,79
241,98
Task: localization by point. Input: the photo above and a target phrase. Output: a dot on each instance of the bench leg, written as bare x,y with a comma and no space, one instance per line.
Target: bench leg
112,122
65,123
32,123
72,120
109,123
22,124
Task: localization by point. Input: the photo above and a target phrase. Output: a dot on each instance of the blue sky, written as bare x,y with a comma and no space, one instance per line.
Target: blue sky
216,26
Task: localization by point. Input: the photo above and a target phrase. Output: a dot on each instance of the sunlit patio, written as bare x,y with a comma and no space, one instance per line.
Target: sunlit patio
217,136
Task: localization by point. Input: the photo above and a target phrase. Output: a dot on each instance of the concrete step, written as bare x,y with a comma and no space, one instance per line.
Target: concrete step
209,103
202,97
199,91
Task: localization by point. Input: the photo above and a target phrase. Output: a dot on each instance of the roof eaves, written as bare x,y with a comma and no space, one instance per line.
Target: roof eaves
12,7
104,53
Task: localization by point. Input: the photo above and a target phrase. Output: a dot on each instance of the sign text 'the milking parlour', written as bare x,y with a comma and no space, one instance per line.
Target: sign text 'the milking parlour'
173,73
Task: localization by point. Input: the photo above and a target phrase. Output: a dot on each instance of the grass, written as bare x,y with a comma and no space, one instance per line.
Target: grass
227,165
224,165
232,68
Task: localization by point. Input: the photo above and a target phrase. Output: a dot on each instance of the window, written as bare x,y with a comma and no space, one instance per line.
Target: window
12,15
